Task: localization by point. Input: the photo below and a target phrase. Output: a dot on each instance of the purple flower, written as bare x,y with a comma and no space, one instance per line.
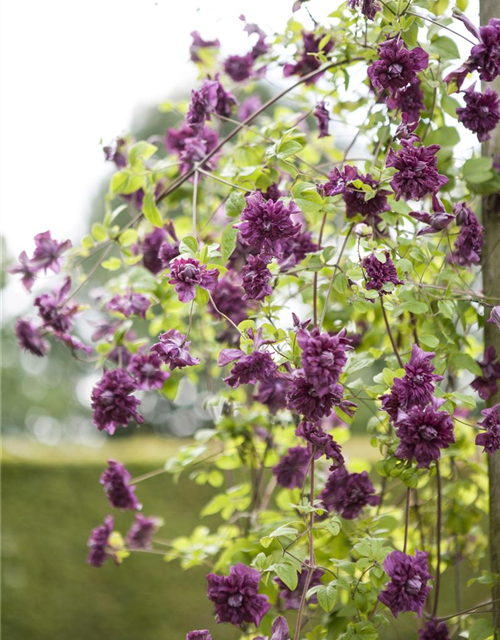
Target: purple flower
192,145
308,60
239,68
322,119
272,392
292,598
407,589
481,113
486,385
291,470
348,493
248,107
211,98
202,634
295,249
256,276
236,596
349,183
140,535
248,369
112,403
470,240
173,349
265,224
129,304
27,269
485,56
435,222
30,338
409,100
279,630
322,442
397,66
260,47
434,630
380,273
98,543
48,252
150,248
228,297
417,174
423,432
187,274
54,311
115,481
303,398
117,152
369,8
490,438
146,371
323,357
199,43
494,317
167,253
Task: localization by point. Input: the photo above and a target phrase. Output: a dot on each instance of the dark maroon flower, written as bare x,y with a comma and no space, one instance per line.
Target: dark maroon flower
48,252
120,355
260,47
434,630
30,338
322,119
423,432
409,100
229,299
293,598
239,68
211,98
279,630
272,392
187,274
323,357
308,60
295,249
98,543
486,385
369,8
202,634
380,273
54,311
265,224
470,240
167,253
322,442
173,349
199,43
140,535
192,145
494,316
490,438
485,56
291,470
417,174
115,480
112,403
129,304
248,107
248,369
150,248
27,269
256,276
116,152
348,493
397,66
303,398
146,371
481,113
407,589
72,343
349,183
236,596
435,222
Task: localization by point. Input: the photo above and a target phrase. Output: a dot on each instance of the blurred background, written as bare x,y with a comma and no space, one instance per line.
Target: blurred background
73,77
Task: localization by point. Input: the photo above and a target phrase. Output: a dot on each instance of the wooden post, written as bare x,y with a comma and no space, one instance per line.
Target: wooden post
491,283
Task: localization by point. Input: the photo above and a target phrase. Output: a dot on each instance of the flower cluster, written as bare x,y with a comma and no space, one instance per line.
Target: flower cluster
348,493
380,273
115,481
396,66
470,240
486,384
291,470
173,349
146,370
129,304
481,113
490,437
112,402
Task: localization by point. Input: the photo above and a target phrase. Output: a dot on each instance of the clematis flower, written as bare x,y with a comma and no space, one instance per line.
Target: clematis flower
115,480
236,596
397,66
291,470
295,249
409,100
147,372
293,597
279,630
470,240
249,369
256,276
349,182
380,273
435,222
48,252
486,385
434,630
484,56
211,98
187,274
27,269
308,61
303,398
407,589
116,152
140,535
173,349
202,634
112,402
150,248
490,438
228,296
239,68
248,107
494,317
348,493
199,43
481,113
272,392
322,119
322,441
55,313
98,543
129,304
191,145
30,338
369,8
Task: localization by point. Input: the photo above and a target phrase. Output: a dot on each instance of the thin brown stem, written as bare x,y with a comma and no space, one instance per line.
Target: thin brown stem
389,333
407,519
438,540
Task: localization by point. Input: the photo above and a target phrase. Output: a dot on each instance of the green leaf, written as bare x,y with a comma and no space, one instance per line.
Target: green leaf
112,264
189,244
128,237
445,48
141,150
235,204
99,232
340,283
307,198
481,630
444,136
429,341
446,308
465,361
288,148
150,210
478,170
327,596
201,297
228,242
288,574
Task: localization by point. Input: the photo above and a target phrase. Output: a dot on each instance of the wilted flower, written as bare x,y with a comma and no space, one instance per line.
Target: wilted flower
117,152
199,43
293,598
112,403
187,274
48,252
322,119
98,543
256,276
470,240
140,535
409,100
349,182
173,349
369,8
30,338
147,372
129,304
407,589
486,385
239,68
435,222
423,432
291,470
434,630
115,480
322,442
481,113
308,61
397,66
490,438
27,269
236,596
380,273
348,493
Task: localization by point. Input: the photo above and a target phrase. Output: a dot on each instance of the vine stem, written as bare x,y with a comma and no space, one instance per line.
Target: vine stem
389,332
195,199
438,540
334,274
442,26
315,277
89,275
310,569
407,519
